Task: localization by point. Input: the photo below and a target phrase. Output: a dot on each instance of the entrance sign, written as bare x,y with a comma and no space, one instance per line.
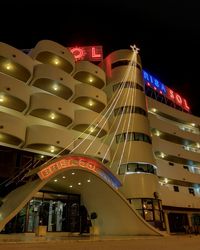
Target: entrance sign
152,82
80,162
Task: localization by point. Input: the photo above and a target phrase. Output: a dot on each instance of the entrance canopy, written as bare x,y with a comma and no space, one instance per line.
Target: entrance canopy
97,186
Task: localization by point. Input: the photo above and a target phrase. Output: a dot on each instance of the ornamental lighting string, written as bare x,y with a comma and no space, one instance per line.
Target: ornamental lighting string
133,102
111,105
112,102
123,126
118,94
133,97
119,123
133,74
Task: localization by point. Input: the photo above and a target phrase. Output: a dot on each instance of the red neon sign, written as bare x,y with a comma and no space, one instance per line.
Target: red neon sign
71,162
90,53
180,101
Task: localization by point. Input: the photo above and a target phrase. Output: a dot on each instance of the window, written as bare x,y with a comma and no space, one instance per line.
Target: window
127,84
135,167
176,189
186,167
130,109
191,191
133,136
125,63
122,169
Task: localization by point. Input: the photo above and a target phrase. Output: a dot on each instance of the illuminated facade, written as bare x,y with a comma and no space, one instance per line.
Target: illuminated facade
76,127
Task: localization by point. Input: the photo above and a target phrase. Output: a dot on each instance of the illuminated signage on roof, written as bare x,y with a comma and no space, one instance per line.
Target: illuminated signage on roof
159,87
80,162
89,53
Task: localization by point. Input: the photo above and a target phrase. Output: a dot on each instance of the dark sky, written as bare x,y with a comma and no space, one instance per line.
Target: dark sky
166,31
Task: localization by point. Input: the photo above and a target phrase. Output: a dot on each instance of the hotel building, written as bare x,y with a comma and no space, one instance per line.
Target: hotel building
82,135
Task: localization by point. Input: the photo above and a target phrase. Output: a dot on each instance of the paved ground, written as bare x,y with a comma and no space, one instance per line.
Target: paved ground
18,242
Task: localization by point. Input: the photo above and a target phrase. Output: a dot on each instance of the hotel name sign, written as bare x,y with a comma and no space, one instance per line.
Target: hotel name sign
159,87
79,162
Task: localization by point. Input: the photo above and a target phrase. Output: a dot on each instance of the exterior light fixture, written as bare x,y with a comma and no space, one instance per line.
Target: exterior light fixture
162,155
1,98
166,180
90,103
52,149
8,66
91,79
92,129
52,116
55,87
56,61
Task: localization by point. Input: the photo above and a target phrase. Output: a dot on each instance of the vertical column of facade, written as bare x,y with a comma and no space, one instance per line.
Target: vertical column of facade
132,155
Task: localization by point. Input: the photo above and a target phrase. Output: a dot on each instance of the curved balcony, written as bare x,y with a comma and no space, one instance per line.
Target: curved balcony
172,128
15,63
136,122
12,130
178,171
133,151
90,97
174,152
49,52
51,108
82,145
89,73
47,139
173,114
84,122
120,58
136,98
13,94
53,80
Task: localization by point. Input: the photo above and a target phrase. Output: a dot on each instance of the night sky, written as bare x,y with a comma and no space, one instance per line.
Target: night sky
167,33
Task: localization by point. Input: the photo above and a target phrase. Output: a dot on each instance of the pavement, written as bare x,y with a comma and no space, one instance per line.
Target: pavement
29,242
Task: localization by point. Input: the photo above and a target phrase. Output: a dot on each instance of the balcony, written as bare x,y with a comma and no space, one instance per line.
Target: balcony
89,73
90,122
49,52
12,130
13,93
48,140
51,108
94,148
15,63
90,97
53,80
